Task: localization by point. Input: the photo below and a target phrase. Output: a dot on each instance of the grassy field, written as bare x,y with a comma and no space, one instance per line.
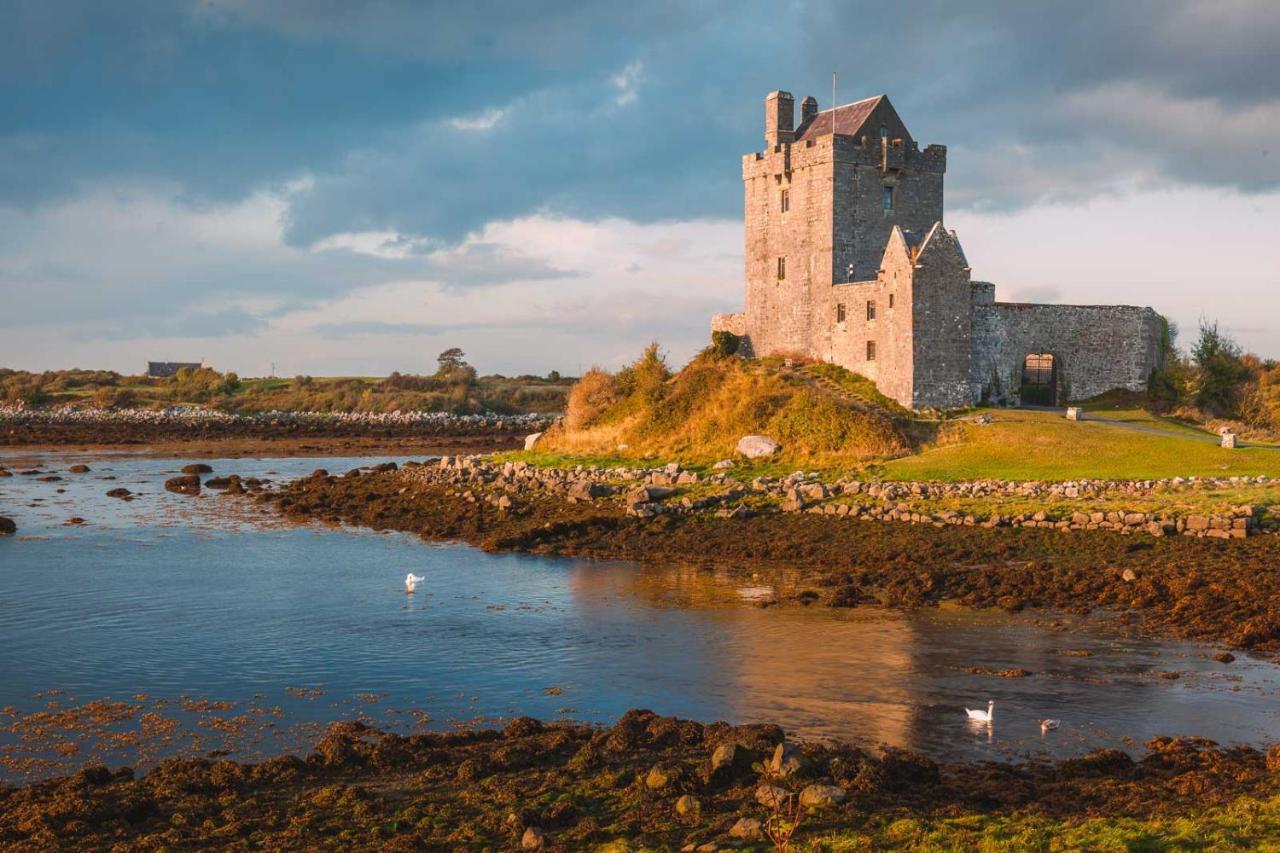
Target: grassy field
1246,824
1030,445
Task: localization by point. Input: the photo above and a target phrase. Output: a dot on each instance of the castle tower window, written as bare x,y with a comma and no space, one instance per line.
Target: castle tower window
840,312
782,268
890,300
887,198
871,309
871,350
786,200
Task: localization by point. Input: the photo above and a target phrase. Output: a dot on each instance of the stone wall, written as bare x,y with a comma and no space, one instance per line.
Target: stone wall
942,319
1096,348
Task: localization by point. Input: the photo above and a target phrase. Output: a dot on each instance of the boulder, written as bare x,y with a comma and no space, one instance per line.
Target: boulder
217,482
747,828
772,797
787,760
730,763
7,527
531,439
821,796
187,484
723,464
197,468
78,469
533,838
4,472
687,805
757,446
121,492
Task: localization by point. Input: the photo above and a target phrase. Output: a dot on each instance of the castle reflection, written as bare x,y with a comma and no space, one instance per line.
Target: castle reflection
881,677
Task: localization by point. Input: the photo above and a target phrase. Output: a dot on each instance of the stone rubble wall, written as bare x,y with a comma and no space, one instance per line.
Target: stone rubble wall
649,492
1096,348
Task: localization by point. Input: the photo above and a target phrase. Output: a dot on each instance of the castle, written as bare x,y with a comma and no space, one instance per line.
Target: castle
847,261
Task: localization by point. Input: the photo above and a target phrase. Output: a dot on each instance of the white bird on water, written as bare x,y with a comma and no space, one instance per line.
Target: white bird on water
411,582
1049,725
983,716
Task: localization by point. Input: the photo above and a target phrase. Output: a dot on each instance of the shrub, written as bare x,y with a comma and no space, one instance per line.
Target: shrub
589,398
724,343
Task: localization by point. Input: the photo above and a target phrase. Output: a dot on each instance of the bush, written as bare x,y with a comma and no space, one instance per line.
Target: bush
1220,372
589,398
724,343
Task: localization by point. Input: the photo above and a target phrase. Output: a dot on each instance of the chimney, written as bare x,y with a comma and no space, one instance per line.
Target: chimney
779,118
808,109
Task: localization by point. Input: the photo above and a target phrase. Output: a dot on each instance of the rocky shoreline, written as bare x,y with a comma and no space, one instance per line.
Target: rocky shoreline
647,781
1208,589
21,427
647,492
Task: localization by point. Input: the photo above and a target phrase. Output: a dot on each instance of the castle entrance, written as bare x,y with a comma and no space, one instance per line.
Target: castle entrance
1040,380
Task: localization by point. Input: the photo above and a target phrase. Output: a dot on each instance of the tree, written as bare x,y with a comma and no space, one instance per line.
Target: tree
1220,372
450,360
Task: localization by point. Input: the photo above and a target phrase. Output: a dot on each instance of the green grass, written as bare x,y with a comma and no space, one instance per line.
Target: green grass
1025,445
1246,824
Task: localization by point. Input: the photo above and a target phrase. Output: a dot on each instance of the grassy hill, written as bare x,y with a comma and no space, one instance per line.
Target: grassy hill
827,418
822,415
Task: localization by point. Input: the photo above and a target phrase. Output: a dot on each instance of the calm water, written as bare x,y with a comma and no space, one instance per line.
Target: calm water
171,596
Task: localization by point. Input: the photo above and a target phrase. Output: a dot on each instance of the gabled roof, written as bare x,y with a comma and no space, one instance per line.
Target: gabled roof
939,236
849,119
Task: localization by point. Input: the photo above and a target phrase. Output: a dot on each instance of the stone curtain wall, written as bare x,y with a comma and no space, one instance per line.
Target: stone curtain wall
1096,348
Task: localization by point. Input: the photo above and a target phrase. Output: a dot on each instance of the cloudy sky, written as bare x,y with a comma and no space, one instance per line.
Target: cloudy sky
344,187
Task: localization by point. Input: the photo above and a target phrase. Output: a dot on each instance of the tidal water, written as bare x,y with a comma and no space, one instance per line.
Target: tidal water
167,597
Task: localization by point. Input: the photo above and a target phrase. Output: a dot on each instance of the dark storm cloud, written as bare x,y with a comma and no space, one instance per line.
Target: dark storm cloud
429,120
225,96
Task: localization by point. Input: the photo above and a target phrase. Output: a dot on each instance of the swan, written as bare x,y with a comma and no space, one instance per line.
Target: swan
983,716
1049,725
411,582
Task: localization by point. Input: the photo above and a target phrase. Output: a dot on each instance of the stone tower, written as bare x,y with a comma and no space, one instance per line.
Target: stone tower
820,202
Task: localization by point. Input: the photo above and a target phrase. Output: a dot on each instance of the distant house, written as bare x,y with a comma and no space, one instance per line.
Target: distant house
165,369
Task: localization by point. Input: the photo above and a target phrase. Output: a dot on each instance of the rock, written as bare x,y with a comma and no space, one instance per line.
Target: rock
1224,657
821,796
7,527
187,484
648,494
747,828
687,805
757,446
197,468
531,439
1075,413
78,469
787,760
771,796
723,464
4,472
75,520
217,482
1129,576
121,492
730,763
504,502
585,491
533,838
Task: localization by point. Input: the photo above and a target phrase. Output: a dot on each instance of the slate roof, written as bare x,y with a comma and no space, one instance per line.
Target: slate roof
849,119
